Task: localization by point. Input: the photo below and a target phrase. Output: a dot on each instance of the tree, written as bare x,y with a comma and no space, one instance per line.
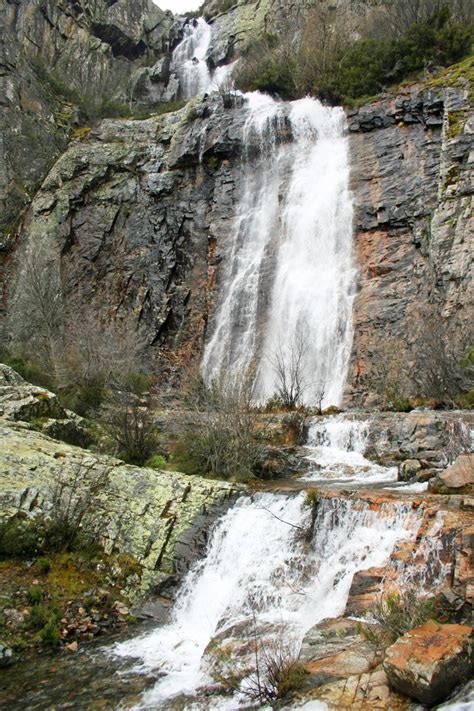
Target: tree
289,367
36,322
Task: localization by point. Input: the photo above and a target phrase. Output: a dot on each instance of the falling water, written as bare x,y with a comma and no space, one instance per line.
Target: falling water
289,273
189,62
258,566
336,446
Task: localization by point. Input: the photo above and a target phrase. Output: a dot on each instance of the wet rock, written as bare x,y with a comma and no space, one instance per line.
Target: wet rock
335,648
408,469
430,661
457,479
364,590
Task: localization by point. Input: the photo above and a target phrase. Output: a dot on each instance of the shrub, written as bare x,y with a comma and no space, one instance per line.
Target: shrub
400,613
19,538
220,441
49,634
37,617
72,521
44,565
127,419
156,461
34,595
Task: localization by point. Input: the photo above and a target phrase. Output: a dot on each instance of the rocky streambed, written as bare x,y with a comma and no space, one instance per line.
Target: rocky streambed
305,562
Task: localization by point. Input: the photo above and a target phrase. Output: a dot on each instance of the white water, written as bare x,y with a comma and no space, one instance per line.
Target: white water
189,62
288,275
258,565
337,445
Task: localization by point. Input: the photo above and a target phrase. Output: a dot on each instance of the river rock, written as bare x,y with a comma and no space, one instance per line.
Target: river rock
457,479
335,648
408,469
428,662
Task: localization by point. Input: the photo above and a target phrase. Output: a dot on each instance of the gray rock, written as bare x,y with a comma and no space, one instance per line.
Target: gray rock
6,655
408,469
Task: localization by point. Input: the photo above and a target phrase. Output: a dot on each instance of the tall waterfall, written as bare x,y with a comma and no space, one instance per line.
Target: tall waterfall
288,277
189,62
258,567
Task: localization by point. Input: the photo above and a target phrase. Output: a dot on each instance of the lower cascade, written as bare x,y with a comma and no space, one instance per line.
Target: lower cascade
336,448
288,274
270,570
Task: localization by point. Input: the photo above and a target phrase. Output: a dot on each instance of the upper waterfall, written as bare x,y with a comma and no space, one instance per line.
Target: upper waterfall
189,62
288,277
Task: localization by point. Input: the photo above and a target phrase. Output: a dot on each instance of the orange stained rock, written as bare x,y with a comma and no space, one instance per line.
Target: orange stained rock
430,642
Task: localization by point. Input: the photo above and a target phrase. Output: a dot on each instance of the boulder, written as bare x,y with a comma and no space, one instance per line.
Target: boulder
457,479
408,469
428,662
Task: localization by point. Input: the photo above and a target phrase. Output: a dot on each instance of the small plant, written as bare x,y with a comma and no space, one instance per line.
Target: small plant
44,565
399,613
34,595
49,634
156,461
37,617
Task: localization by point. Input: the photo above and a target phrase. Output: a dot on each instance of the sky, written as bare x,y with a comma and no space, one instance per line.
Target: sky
178,6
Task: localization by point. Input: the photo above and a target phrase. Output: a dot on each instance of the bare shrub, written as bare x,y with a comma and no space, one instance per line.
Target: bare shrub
219,433
289,366
390,375
127,419
397,614
438,372
72,519
36,322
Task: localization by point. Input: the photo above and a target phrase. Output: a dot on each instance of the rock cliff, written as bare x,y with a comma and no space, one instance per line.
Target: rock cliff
59,57
136,211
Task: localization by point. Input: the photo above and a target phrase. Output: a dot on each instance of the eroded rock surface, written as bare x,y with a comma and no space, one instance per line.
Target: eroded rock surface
430,661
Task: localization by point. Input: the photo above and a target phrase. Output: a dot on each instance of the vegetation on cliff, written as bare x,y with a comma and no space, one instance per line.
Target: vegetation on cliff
340,58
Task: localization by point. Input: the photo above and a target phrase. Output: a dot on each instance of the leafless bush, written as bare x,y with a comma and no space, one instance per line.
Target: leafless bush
397,16
36,322
263,668
438,373
127,419
289,366
219,433
390,374
101,352
72,520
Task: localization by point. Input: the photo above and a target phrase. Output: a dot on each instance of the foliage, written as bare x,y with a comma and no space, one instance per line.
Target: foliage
156,461
19,538
219,440
400,613
127,419
49,634
336,63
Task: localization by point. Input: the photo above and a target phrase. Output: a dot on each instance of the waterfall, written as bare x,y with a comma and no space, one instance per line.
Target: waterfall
189,62
289,274
336,446
258,566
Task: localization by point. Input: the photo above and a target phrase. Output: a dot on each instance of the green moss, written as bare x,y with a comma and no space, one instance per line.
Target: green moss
459,76
456,122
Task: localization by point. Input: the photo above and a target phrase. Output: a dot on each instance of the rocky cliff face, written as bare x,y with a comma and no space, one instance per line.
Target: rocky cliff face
137,212
413,191
57,57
